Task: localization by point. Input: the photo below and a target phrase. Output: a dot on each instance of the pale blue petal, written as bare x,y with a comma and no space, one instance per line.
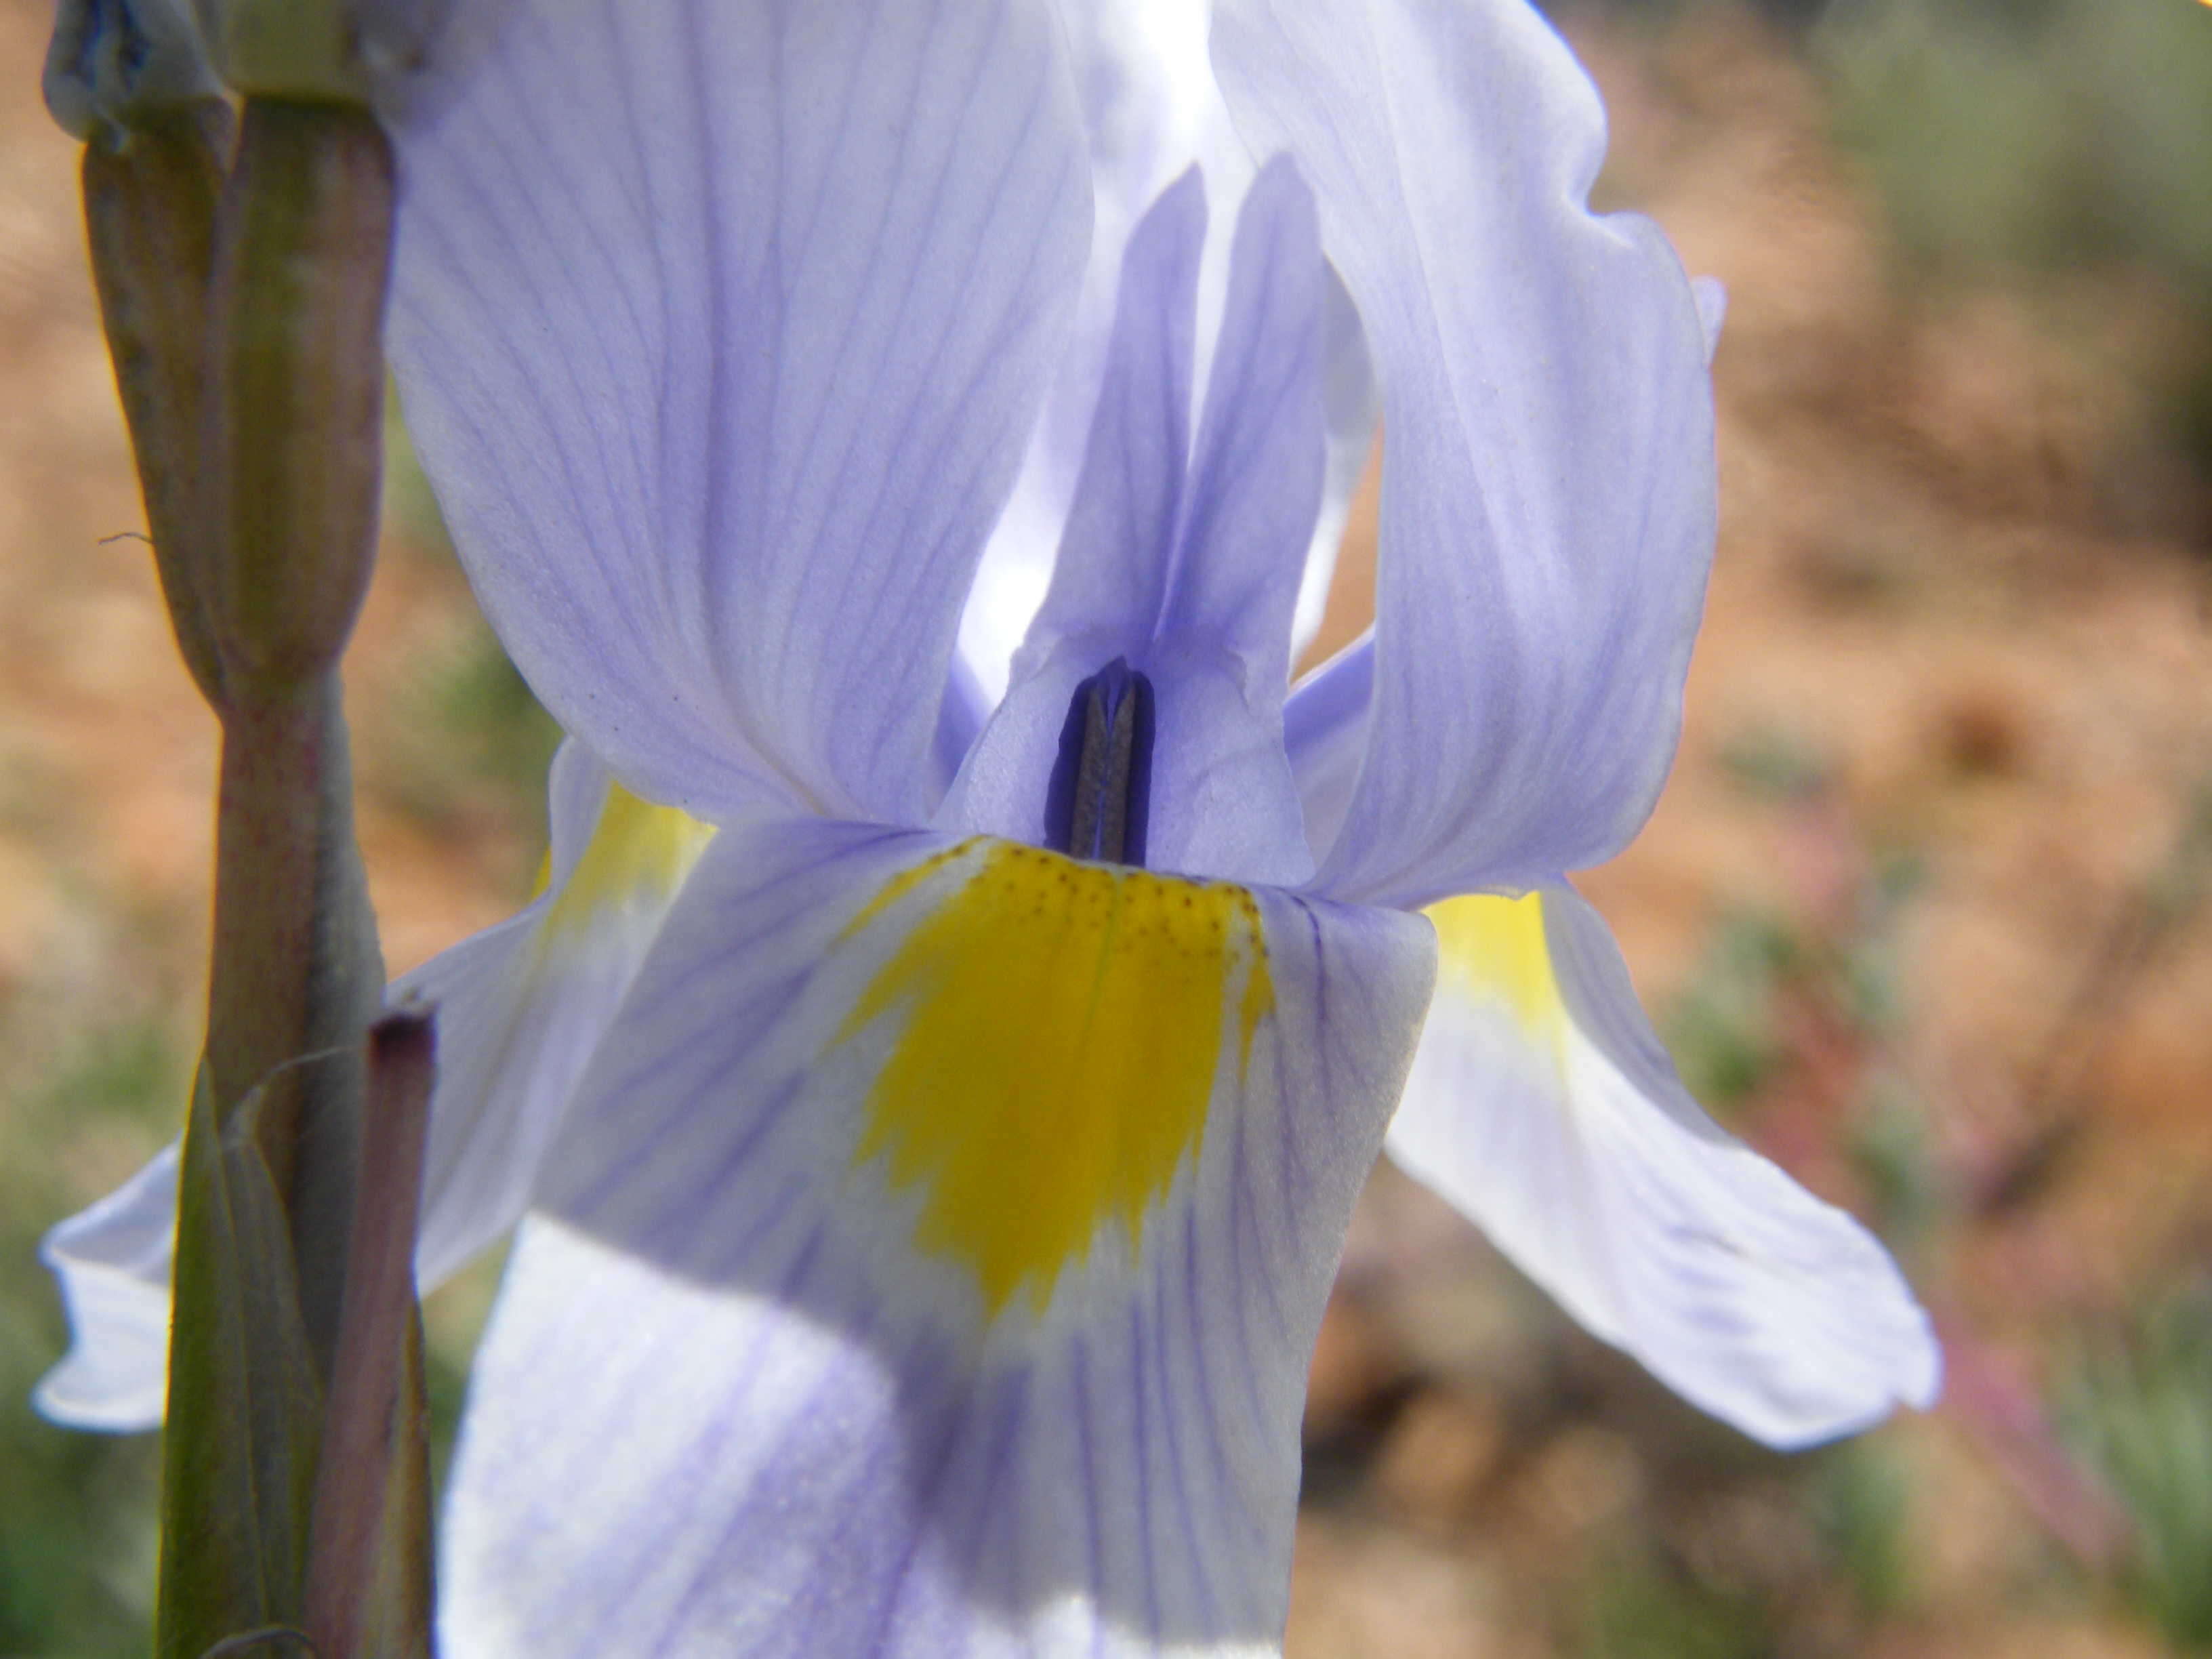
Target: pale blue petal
1547,507
1151,112
721,328
729,1403
113,1263
1546,1109
520,1008
1186,560
1354,405
1256,484
1119,553
1325,734
960,716
1152,109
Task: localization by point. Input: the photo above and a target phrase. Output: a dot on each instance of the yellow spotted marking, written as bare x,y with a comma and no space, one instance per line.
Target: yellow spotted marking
1496,946
637,857
1062,1030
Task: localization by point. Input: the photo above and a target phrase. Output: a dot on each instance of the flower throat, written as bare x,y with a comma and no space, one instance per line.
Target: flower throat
1100,797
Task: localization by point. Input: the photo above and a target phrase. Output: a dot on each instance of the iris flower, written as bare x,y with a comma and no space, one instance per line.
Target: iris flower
932,1121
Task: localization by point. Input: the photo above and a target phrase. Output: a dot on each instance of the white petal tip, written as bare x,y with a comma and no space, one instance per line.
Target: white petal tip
111,1263
1924,1385
1712,310
1841,1347
78,1394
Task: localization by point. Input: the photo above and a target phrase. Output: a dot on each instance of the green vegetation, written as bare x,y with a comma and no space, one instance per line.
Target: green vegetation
1639,1606
2046,133
77,1533
2139,1410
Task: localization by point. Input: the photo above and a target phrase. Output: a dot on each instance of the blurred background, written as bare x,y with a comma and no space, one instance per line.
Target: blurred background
1923,911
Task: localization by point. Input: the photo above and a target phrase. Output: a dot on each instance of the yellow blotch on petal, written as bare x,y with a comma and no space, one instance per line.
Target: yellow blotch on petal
1060,1037
1495,947
638,856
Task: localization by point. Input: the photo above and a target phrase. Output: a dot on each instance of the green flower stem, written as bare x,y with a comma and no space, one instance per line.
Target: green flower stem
290,451
295,429
245,313
295,969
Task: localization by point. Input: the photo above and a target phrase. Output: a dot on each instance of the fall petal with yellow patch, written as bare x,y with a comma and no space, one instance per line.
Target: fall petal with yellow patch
990,1195
1542,1104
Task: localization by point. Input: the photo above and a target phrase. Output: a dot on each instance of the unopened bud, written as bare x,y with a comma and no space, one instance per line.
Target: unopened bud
302,264
111,63
150,208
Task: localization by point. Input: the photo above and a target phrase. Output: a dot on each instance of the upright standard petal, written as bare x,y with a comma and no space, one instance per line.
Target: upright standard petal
1183,557
1152,110
1542,1106
1547,510
1151,114
720,329
521,1007
1325,735
910,1356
